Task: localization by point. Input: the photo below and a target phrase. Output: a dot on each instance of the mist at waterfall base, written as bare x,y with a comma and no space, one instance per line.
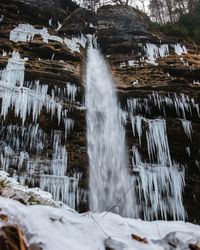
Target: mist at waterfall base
109,179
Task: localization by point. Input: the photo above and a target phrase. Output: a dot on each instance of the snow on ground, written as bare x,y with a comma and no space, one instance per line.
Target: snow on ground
60,228
63,228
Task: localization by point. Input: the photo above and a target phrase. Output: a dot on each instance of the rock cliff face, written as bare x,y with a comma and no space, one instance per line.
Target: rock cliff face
120,28
36,12
149,70
81,21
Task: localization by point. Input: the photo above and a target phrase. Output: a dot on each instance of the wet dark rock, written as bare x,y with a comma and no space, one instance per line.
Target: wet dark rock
120,27
81,21
36,12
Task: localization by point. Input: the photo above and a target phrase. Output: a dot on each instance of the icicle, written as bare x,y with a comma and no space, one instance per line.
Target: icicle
123,116
4,53
138,105
187,126
6,153
1,18
71,92
69,125
59,26
136,122
159,182
22,157
50,22
59,161
136,158
10,158
187,149
13,74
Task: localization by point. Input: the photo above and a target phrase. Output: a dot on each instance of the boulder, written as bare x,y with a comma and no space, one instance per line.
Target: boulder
119,27
80,21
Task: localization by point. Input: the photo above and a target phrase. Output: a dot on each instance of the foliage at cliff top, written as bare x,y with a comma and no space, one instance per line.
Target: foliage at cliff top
187,27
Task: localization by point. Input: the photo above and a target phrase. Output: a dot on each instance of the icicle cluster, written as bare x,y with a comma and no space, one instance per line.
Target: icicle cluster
159,182
19,145
138,105
25,101
24,147
67,93
75,43
180,49
30,138
9,158
157,142
154,51
71,92
159,189
13,74
183,104
26,33
62,188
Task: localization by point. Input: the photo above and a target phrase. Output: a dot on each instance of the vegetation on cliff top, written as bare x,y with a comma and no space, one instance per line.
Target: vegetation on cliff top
187,27
180,18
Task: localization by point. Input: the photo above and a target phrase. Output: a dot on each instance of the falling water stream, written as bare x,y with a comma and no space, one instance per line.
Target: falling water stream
109,178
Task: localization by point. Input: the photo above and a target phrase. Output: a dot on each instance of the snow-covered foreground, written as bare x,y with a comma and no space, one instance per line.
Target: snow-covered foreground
55,226
63,228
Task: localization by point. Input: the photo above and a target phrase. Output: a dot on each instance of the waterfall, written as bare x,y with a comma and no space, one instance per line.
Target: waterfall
109,181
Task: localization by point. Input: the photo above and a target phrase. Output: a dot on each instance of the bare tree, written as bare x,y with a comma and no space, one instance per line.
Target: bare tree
169,6
156,8
163,11
143,5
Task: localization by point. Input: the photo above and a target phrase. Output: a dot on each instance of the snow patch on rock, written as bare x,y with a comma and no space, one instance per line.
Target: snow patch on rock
10,188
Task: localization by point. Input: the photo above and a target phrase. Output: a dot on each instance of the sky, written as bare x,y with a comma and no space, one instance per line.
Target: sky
139,3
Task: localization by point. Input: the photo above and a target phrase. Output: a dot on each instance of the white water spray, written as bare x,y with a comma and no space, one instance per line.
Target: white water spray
109,178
